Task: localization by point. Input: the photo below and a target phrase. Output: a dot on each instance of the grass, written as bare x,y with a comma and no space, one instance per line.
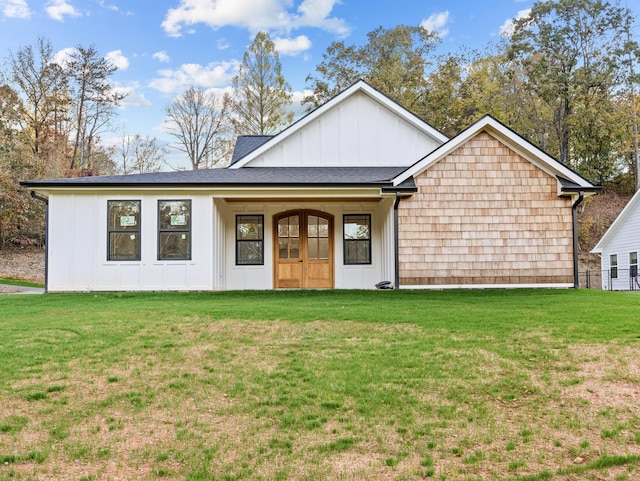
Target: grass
315,385
15,281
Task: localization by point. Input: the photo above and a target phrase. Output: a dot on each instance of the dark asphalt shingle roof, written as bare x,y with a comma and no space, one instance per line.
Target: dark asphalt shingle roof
247,176
245,144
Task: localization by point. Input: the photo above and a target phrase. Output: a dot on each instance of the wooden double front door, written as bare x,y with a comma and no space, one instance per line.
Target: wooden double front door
303,250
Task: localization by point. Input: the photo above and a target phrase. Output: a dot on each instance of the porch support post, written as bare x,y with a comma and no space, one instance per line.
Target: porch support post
396,282
574,215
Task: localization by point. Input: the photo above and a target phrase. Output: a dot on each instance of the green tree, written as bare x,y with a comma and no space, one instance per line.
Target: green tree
261,95
394,61
572,54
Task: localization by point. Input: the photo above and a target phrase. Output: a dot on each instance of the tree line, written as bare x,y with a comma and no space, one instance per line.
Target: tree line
564,78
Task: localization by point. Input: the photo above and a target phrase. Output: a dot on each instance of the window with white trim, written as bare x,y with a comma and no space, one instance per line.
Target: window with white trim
633,264
613,266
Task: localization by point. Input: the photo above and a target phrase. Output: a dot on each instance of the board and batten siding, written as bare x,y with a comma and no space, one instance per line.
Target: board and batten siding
483,215
78,246
356,132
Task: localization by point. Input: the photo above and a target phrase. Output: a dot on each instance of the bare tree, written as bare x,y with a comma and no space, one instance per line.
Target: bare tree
201,123
94,101
140,155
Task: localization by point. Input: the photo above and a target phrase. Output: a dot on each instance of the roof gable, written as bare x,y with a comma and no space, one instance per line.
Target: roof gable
358,127
630,210
512,140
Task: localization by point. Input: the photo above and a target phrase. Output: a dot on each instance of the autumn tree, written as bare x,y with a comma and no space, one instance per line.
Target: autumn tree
200,122
261,95
41,85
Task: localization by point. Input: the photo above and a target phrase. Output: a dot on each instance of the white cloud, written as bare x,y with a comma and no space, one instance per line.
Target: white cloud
63,57
292,46
506,29
222,44
15,8
117,59
437,22
255,15
133,97
213,75
161,56
57,9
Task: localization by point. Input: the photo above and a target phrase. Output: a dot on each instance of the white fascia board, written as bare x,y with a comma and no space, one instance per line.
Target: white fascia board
518,144
359,86
617,223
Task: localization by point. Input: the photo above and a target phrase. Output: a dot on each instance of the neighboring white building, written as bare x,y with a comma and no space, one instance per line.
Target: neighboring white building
357,192
619,248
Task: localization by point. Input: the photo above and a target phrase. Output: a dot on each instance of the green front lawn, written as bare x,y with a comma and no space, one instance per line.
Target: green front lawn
321,385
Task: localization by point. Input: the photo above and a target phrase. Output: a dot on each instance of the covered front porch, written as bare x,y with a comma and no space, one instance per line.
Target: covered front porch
310,242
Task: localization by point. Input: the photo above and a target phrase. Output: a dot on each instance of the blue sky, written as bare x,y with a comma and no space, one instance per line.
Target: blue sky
163,46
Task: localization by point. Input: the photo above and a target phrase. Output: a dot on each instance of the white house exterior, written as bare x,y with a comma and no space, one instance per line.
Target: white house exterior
357,192
619,248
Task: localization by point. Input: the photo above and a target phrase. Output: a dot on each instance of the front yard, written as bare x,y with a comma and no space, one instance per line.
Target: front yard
321,385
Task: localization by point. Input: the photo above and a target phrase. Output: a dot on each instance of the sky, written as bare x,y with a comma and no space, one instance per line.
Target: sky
161,47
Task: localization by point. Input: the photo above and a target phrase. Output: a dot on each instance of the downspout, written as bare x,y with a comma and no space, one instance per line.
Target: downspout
46,237
574,215
396,282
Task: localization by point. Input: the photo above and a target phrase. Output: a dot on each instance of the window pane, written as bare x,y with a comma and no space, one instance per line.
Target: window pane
357,227
312,243
294,226
323,248
175,245
124,246
249,227
283,248
294,248
250,252
312,227
174,214
283,227
614,259
633,258
357,252
124,214
323,227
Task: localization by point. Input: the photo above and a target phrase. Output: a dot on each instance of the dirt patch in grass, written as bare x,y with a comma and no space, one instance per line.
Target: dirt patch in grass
27,263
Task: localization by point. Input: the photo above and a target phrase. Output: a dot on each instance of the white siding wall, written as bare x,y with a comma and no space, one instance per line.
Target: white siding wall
346,277
78,247
624,241
357,132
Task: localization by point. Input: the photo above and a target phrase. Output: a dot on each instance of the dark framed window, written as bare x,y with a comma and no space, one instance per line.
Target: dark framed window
174,230
357,238
249,240
123,230
613,265
633,264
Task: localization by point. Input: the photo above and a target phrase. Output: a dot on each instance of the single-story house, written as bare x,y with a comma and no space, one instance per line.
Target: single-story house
357,192
619,247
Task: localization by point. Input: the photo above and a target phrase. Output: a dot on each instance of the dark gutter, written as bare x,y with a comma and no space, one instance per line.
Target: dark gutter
574,215
46,238
396,283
